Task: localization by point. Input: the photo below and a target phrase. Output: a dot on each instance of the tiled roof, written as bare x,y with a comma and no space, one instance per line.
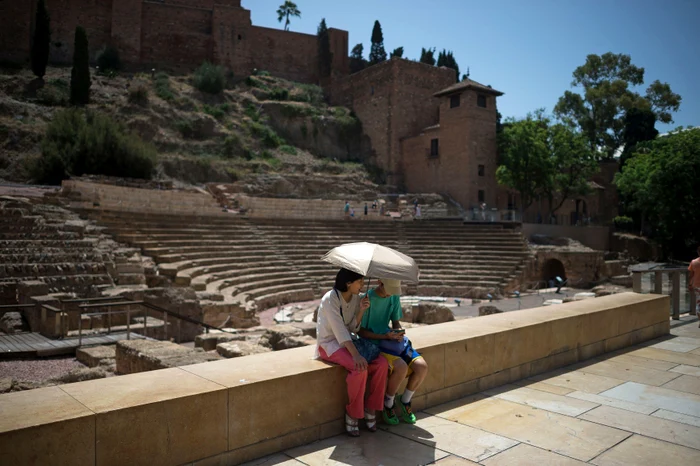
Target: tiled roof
468,84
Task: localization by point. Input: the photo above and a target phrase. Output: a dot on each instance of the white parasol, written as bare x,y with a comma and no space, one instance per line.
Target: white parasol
374,260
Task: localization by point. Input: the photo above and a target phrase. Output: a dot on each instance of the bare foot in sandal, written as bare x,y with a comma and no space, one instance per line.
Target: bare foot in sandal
352,426
371,421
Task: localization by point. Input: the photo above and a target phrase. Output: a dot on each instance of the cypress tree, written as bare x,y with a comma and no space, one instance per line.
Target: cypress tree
325,56
377,53
42,39
80,74
398,52
427,56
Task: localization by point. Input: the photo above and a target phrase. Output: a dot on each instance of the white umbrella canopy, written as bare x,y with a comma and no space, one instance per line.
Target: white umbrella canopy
374,260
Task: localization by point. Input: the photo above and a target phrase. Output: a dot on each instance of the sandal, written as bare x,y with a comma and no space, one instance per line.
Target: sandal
352,426
371,421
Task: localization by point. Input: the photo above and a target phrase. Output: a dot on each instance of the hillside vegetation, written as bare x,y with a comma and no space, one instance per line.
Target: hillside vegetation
260,128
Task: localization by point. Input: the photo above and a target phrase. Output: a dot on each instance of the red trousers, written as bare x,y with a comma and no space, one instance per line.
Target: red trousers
358,400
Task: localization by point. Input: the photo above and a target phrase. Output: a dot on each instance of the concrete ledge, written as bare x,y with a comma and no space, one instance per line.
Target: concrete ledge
231,411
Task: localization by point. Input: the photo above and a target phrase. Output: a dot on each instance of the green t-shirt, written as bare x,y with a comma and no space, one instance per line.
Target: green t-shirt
381,312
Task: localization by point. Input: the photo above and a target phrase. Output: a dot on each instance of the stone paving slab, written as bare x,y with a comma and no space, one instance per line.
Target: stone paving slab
649,426
658,397
543,400
458,439
526,455
643,451
368,450
678,417
685,383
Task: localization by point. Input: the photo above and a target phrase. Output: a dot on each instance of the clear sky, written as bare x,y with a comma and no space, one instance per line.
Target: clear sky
525,48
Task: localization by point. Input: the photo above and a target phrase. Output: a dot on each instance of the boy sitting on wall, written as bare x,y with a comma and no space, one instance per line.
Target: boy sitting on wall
404,361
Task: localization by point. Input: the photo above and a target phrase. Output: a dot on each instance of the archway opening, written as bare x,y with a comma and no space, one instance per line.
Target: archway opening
551,269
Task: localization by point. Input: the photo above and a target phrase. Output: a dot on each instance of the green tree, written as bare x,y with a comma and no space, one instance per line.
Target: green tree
600,109
325,56
42,39
80,74
661,182
572,164
447,60
427,56
397,52
287,10
357,63
377,54
524,156
639,127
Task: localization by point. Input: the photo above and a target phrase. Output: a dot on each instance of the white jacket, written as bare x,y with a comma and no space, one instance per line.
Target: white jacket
332,330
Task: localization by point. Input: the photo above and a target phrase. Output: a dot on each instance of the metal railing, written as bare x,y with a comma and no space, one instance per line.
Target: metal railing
145,307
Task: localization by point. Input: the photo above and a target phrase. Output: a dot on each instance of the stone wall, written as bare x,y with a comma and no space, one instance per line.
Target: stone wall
229,411
594,237
103,197
176,33
581,268
393,100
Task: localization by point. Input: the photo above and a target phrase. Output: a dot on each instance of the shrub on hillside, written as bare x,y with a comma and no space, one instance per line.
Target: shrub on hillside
291,150
266,134
309,93
161,82
279,93
80,142
138,94
55,94
210,78
108,59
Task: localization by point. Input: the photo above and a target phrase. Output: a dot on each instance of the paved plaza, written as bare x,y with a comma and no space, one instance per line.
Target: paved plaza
637,406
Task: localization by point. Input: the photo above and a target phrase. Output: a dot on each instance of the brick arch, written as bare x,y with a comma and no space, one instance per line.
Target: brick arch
553,268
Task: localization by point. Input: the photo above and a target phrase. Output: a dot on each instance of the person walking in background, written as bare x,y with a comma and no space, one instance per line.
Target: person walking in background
346,209
694,281
365,208
339,315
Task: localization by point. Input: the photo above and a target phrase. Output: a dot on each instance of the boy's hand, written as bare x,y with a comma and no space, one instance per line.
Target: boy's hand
396,336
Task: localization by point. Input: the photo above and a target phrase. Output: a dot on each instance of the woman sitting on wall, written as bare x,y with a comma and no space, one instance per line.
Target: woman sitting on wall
339,317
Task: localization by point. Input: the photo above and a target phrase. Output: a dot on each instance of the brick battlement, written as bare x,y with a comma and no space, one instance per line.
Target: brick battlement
175,33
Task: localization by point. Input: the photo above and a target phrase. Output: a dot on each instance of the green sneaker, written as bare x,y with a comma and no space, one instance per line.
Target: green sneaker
389,415
406,413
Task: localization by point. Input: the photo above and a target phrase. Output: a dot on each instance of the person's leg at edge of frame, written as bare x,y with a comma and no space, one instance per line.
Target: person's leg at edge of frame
356,382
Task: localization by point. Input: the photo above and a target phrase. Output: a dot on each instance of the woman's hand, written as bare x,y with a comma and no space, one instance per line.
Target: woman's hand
364,303
360,362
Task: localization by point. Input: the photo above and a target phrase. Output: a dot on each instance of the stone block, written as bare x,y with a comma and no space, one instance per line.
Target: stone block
240,348
146,355
95,355
319,397
435,380
469,359
45,426
164,417
209,341
429,313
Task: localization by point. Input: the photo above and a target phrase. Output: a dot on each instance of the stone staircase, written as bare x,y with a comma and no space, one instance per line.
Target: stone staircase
54,247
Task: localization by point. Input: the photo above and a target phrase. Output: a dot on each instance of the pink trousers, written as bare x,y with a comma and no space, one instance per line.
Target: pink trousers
377,371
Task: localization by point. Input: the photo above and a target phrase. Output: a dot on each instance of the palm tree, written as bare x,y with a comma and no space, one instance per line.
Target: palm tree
287,10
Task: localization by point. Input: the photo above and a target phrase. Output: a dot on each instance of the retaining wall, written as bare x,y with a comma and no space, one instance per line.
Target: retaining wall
231,411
